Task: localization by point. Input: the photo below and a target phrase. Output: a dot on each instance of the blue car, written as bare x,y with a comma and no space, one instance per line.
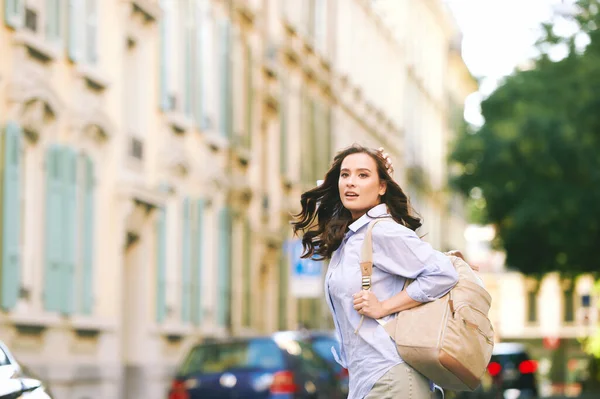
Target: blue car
279,366
322,342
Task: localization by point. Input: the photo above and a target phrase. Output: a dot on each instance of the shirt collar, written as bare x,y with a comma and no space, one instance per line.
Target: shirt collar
371,214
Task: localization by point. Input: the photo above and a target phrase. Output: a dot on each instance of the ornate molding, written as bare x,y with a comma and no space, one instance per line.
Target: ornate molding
150,10
27,88
94,124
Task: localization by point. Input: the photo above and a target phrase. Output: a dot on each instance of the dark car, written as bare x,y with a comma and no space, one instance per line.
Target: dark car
279,366
16,382
511,373
322,342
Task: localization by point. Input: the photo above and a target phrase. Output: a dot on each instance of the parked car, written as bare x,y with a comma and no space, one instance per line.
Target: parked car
16,382
511,374
279,366
322,342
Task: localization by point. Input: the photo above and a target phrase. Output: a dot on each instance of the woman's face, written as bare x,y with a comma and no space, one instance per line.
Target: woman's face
359,184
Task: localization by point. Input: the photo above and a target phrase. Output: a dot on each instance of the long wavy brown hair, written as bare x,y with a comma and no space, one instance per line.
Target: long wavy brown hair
323,220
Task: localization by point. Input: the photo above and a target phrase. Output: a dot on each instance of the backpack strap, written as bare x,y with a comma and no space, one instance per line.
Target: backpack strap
366,254
366,262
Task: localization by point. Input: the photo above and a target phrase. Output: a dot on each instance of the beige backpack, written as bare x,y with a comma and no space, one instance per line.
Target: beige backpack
449,340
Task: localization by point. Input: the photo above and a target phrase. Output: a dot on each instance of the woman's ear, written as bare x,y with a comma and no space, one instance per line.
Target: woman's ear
382,187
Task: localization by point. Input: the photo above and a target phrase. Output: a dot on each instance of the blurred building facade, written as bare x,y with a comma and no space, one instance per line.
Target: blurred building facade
152,152
554,316
435,85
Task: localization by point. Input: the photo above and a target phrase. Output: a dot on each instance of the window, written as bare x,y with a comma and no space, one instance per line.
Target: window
166,39
225,68
134,101
224,269
532,306
197,260
40,17
191,263
249,94
161,265
283,289
91,31
569,305
283,126
320,25
83,31
11,214
208,70
247,277
31,19
186,267
69,232
85,234
306,115
186,30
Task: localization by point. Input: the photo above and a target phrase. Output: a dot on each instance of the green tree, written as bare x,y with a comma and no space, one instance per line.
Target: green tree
536,159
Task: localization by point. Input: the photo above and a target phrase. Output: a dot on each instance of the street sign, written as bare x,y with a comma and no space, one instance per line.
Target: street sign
306,275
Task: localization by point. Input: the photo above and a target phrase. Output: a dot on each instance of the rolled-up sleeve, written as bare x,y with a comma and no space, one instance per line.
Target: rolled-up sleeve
398,250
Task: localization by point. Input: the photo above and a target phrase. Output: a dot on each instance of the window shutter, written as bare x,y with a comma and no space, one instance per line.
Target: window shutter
247,276
283,127
186,263
225,70
53,20
307,148
209,61
161,265
164,59
10,270
76,30
188,58
320,13
90,45
14,13
199,83
283,288
224,267
54,232
197,277
69,237
249,95
87,290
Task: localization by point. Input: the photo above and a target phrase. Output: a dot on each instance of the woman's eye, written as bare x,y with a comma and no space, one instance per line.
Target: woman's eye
363,175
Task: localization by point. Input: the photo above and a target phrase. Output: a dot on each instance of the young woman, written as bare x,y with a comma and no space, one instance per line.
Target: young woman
333,221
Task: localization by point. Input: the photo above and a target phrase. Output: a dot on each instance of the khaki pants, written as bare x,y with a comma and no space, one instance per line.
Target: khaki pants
401,382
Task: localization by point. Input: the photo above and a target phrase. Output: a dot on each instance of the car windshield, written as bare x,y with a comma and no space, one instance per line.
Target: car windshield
3,358
220,357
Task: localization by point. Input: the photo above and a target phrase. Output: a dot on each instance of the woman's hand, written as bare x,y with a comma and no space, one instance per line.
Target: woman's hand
366,303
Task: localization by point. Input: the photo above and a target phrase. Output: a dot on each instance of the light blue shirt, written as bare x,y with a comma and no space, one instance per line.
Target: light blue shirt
398,253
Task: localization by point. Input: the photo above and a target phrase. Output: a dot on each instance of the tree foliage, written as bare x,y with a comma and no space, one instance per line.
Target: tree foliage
536,159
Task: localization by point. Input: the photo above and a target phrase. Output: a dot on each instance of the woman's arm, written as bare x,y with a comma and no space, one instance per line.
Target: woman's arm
399,251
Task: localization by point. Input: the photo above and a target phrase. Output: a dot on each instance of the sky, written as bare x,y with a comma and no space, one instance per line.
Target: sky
498,35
